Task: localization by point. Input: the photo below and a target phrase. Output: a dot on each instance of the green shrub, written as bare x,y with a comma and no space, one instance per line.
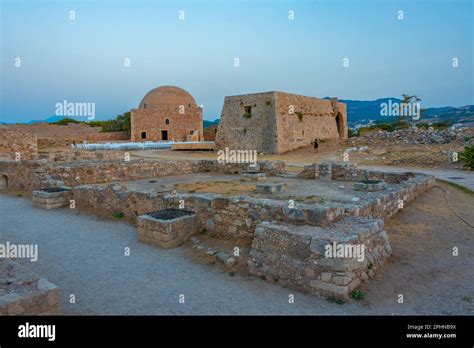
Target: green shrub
333,299
441,125
467,156
357,295
65,121
401,124
247,115
353,133
386,127
118,215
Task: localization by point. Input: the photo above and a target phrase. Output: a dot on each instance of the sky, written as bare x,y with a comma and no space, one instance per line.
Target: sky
82,59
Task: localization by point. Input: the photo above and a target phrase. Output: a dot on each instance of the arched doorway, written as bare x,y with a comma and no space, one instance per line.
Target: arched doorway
3,182
340,125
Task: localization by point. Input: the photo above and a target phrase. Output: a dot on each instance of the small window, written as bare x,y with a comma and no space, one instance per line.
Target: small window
167,121
191,132
247,111
143,135
144,105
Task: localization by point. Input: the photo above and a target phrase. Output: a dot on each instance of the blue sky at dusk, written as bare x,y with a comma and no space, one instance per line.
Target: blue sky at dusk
82,60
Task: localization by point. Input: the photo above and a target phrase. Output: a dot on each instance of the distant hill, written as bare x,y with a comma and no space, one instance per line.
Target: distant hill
207,123
359,111
49,119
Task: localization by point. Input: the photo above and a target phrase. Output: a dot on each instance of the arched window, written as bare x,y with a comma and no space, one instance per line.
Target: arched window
167,121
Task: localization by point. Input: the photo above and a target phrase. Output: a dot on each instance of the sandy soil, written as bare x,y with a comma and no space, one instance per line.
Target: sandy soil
423,267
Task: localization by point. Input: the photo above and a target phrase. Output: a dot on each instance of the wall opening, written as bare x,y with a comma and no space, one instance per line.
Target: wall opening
143,135
340,125
164,135
3,182
167,121
247,111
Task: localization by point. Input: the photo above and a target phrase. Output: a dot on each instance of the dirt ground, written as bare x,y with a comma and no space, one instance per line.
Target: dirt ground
419,156
423,268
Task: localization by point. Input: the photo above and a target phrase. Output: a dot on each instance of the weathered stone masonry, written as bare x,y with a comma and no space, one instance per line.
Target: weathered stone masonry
24,293
287,243
276,122
22,143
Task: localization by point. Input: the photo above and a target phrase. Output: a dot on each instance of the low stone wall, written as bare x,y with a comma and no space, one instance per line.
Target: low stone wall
297,256
225,216
71,156
54,142
47,199
24,176
32,175
13,143
390,202
107,136
349,172
24,293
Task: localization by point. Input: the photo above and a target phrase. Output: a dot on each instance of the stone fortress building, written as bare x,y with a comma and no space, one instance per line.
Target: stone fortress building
277,122
167,113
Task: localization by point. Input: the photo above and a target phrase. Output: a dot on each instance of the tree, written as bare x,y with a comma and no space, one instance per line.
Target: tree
409,102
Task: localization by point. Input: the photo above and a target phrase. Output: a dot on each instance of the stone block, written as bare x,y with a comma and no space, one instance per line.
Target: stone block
52,198
249,176
167,228
269,188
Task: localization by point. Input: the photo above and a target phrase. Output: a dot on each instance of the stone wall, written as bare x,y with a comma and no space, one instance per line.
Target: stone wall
44,143
295,256
31,175
257,132
107,136
24,176
279,122
45,130
77,155
224,216
210,133
25,293
15,142
381,206
153,121
349,172
302,119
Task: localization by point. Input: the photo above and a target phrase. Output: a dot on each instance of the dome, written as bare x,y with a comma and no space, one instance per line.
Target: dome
167,95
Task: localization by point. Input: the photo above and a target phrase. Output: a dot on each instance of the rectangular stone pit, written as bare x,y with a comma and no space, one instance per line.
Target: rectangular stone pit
52,198
167,228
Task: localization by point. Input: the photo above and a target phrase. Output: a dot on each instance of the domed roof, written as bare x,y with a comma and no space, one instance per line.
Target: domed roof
167,95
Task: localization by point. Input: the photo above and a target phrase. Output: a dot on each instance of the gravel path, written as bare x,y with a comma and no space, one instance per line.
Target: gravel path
84,255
